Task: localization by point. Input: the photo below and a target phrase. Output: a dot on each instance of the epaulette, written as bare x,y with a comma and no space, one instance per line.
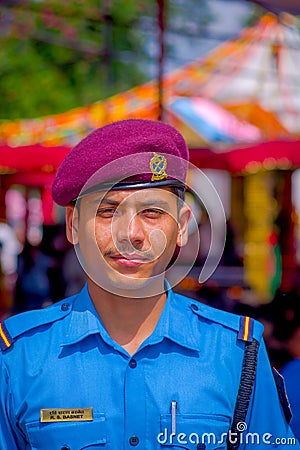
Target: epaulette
16,325
245,327
249,331
5,338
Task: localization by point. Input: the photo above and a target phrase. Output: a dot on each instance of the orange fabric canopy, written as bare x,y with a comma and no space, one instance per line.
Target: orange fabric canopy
242,94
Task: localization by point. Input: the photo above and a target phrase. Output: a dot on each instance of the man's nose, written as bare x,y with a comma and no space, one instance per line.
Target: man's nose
129,229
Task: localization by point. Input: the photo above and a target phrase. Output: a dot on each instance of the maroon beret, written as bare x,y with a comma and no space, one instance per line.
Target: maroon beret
126,154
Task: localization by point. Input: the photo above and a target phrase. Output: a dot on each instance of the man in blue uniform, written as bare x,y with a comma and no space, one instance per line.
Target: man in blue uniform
127,362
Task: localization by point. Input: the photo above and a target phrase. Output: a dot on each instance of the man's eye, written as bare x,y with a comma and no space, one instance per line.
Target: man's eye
152,213
106,212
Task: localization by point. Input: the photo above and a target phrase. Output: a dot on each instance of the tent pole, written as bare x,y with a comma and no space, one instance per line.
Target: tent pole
161,57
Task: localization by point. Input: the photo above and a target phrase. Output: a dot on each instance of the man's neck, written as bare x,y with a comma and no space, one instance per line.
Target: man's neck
128,321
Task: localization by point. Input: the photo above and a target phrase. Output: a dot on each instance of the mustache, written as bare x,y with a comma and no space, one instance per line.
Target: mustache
147,254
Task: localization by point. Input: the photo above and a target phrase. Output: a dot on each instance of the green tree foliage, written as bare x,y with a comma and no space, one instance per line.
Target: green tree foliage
59,55
56,55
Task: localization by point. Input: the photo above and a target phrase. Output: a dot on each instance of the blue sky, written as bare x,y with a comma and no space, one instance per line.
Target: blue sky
229,19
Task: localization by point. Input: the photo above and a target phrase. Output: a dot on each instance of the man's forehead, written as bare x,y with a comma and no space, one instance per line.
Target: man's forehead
153,195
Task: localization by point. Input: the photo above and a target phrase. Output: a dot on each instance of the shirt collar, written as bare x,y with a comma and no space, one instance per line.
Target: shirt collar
84,320
176,323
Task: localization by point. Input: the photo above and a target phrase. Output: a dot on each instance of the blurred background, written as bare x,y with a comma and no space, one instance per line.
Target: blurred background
226,73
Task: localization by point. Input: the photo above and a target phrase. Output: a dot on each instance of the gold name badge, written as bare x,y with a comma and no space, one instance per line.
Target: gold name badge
66,414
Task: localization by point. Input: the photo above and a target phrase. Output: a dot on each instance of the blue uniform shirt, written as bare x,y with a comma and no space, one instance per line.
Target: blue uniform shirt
291,373
178,391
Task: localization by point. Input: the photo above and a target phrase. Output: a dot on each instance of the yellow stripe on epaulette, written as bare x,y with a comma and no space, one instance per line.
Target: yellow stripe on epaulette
5,339
246,329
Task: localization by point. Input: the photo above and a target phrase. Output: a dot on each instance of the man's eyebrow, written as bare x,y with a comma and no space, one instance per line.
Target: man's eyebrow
161,203
109,201
141,203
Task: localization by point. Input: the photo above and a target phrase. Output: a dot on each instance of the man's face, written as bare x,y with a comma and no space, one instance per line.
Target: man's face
128,237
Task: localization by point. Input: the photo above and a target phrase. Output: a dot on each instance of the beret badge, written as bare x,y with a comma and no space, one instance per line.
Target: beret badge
158,164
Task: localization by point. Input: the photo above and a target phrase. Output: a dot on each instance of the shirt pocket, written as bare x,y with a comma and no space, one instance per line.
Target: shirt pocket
68,435
193,432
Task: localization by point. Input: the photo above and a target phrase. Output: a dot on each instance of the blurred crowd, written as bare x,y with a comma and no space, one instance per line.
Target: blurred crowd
39,275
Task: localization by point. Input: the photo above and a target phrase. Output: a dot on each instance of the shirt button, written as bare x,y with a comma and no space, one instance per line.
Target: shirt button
132,363
65,307
201,447
134,440
194,307
65,447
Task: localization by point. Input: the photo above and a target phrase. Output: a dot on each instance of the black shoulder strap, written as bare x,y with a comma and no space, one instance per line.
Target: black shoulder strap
244,394
280,385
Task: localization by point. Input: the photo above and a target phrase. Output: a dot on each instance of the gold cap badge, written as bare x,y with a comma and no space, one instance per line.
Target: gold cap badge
158,164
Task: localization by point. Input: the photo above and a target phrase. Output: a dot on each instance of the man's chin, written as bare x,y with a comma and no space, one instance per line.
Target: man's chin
130,285
129,281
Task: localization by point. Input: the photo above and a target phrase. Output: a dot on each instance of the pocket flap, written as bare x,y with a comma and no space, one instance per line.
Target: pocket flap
194,431
75,435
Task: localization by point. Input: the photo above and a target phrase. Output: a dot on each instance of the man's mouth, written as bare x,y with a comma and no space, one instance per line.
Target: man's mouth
129,259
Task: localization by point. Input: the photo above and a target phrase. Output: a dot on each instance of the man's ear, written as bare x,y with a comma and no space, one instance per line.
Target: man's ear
72,224
185,215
